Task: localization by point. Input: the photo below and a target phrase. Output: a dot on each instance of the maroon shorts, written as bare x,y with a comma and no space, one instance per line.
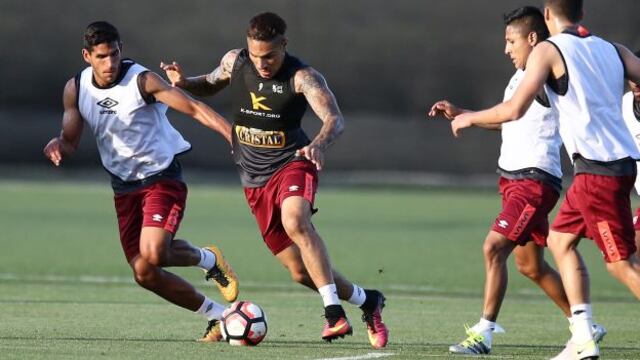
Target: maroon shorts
526,204
160,204
636,223
599,207
297,178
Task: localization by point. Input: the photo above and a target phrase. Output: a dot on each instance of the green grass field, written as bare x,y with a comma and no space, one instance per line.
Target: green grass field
66,291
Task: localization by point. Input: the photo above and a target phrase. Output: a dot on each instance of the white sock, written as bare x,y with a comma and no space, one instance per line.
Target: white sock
582,323
210,309
484,325
329,295
485,328
207,259
581,308
358,296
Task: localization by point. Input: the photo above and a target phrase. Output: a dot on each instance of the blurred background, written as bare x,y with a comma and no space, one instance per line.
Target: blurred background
387,62
65,289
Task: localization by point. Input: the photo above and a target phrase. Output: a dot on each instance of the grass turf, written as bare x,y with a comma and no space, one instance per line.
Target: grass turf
66,293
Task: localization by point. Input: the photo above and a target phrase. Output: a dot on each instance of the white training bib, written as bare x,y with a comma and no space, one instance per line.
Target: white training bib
590,114
533,141
135,139
633,125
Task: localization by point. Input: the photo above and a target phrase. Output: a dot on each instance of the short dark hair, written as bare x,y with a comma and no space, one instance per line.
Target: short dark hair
569,9
266,27
100,32
530,17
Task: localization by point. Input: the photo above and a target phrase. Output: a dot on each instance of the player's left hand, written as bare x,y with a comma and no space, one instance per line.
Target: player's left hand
314,154
444,108
53,151
460,122
174,73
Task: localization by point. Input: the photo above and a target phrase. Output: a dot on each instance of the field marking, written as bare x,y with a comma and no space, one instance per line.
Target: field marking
406,291
418,291
98,279
358,357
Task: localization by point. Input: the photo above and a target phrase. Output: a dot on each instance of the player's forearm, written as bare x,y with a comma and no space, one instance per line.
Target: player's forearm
331,129
499,114
490,126
212,120
67,146
200,86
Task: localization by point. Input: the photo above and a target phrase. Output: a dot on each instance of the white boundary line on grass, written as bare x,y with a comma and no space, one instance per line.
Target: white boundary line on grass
359,357
98,279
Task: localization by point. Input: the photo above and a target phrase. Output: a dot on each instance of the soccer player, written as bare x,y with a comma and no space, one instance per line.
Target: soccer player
631,115
584,77
124,104
530,184
278,164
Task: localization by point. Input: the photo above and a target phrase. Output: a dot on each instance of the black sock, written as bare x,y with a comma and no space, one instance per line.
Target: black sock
334,312
371,300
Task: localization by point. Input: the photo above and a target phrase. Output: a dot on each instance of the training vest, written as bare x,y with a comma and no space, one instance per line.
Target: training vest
134,137
631,115
591,124
533,141
267,115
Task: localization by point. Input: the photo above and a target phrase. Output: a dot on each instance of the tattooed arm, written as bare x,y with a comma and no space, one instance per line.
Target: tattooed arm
313,86
203,85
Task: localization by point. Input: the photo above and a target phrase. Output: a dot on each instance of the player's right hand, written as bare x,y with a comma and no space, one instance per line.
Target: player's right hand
460,122
444,108
174,73
313,153
53,151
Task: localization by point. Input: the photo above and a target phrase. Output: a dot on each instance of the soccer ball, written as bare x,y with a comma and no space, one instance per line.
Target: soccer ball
243,323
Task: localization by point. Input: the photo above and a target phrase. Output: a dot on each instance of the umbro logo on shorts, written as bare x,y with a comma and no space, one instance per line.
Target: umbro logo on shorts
157,217
503,224
294,188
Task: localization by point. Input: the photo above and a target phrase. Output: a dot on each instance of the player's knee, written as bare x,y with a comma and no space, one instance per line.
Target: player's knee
618,268
154,255
490,250
146,276
300,275
296,225
532,271
496,248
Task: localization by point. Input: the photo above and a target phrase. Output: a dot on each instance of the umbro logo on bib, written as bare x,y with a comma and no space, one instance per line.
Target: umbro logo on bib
107,103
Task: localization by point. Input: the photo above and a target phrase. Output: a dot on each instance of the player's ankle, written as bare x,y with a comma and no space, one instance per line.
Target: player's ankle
334,312
371,300
484,325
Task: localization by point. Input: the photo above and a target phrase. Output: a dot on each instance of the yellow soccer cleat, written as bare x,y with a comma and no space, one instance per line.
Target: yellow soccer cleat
223,276
212,333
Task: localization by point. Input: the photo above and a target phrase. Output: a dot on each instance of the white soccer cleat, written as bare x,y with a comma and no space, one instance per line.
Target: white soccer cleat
573,351
588,350
598,332
474,344
570,351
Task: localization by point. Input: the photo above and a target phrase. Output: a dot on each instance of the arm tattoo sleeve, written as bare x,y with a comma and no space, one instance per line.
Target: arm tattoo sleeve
218,79
324,104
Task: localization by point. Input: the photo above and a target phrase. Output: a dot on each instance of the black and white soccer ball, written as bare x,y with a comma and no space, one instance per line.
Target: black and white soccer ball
243,323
